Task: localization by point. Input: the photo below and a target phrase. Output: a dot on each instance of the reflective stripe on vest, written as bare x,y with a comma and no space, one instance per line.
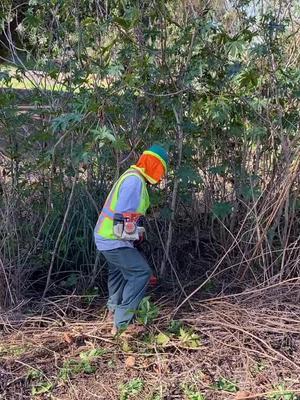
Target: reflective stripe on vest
104,226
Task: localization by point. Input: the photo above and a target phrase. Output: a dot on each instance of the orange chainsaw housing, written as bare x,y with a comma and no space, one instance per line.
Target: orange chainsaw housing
131,220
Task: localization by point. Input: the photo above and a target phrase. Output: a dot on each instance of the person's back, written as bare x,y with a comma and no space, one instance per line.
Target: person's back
128,271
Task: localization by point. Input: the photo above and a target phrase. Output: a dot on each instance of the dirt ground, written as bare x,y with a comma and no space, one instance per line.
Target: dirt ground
244,346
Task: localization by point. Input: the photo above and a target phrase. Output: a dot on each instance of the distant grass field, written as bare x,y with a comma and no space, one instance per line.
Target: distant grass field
14,78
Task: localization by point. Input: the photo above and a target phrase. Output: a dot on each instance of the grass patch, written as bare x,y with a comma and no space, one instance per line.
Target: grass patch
13,351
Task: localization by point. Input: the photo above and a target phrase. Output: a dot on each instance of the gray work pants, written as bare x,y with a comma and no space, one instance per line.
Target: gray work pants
128,276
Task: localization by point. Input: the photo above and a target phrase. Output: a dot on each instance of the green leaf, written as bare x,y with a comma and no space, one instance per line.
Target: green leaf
71,281
41,136
91,294
31,20
147,311
121,144
219,109
91,354
189,339
103,133
281,393
63,122
87,367
218,170
248,78
250,193
260,50
191,392
234,69
155,396
257,132
89,21
123,22
126,346
188,175
108,46
40,388
162,339
174,327
235,49
222,209
4,76
227,385
33,374
131,388
131,18
115,70
166,213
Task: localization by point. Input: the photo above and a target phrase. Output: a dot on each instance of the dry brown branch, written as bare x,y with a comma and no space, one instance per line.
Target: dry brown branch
236,335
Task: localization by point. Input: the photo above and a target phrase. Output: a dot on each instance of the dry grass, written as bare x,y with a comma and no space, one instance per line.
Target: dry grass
251,339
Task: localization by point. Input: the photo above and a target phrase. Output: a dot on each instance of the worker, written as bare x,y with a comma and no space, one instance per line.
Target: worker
117,230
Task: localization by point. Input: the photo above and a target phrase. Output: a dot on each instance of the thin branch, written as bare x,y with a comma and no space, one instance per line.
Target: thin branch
59,236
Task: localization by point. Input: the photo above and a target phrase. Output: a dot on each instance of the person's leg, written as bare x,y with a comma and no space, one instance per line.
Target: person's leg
116,281
136,273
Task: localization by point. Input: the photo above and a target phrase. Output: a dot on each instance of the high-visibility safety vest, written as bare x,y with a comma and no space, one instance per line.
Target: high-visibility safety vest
104,226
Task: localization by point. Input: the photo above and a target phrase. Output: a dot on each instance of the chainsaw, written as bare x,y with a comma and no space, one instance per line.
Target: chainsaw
129,226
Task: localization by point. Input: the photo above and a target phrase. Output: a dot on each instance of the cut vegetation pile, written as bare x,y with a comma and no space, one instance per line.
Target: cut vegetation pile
244,346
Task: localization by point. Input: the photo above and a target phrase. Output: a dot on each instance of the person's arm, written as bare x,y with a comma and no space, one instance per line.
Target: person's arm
129,195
